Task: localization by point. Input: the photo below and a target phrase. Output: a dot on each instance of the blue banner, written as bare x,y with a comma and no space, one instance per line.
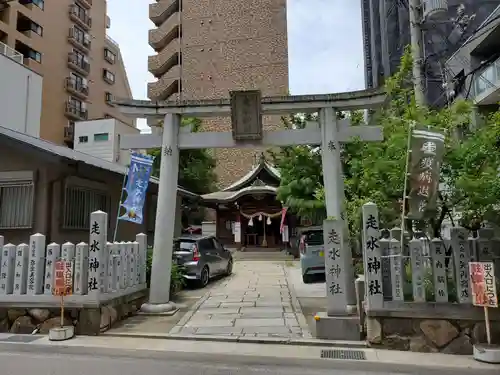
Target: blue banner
137,184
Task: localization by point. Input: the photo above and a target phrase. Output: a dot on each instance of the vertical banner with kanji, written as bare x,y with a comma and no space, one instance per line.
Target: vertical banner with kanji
135,189
482,278
427,149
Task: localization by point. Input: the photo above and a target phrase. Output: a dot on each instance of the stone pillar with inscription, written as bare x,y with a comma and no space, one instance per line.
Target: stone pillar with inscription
142,240
8,269
461,254
137,263
21,270
97,249
372,255
123,265
131,264
439,273
417,269
68,251
81,269
36,259
53,253
112,249
159,292
339,323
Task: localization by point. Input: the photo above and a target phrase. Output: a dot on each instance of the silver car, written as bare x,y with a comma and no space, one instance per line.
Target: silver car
312,253
203,257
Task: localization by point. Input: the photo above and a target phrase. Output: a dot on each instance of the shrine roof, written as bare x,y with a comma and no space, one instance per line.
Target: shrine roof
229,196
252,175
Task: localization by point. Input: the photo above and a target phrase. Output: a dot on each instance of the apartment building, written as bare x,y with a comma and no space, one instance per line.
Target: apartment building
207,48
65,41
386,33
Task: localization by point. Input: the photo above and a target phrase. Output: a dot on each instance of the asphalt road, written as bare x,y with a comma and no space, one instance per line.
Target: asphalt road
22,359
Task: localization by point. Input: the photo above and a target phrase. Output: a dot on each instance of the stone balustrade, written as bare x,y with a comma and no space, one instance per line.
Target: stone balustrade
100,269
418,296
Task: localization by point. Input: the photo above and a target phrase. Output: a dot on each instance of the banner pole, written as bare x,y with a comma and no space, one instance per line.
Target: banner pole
405,189
487,325
120,205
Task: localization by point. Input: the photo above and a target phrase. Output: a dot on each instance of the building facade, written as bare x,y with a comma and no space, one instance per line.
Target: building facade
223,46
65,41
386,33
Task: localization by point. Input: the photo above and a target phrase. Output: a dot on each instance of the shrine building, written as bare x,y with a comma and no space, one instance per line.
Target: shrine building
248,215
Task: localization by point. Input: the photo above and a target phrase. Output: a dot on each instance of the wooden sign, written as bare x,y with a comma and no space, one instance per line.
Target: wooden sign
246,115
482,277
63,278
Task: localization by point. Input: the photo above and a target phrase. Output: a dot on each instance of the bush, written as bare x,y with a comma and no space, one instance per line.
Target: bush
176,280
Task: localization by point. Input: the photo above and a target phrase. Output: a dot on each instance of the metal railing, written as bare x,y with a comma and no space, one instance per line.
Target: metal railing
487,78
11,53
112,41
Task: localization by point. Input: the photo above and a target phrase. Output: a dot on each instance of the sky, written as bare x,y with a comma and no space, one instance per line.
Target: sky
325,49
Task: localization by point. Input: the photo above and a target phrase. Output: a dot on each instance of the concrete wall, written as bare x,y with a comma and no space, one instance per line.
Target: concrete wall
20,97
89,139
49,187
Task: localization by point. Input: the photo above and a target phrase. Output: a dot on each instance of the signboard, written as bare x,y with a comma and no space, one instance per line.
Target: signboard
246,115
482,277
63,278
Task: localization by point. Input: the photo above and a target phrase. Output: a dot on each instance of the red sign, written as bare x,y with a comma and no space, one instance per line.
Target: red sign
63,278
482,277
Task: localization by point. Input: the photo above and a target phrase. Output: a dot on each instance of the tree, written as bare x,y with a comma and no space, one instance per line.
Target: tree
196,167
375,171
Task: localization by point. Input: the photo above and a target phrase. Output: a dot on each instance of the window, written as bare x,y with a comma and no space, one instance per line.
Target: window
108,76
83,139
101,137
108,97
39,3
79,81
81,36
109,56
80,59
16,200
80,11
79,203
37,28
76,103
35,55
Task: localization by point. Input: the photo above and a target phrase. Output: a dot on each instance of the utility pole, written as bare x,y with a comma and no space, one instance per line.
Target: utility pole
416,47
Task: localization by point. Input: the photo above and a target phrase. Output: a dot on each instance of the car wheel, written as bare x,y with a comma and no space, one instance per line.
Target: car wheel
307,279
229,268
204,277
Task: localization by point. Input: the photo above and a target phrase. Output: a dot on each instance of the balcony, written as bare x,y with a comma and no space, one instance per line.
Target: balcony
78,63
85,3
160,11
486,84
74,112
80,41
11,53
81,18
166,86
165,33
76,88
69,133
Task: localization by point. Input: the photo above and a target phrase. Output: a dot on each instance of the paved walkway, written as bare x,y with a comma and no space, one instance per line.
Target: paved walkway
254,302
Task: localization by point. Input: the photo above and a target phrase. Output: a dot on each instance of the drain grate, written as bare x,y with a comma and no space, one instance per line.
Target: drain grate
24,339
343,354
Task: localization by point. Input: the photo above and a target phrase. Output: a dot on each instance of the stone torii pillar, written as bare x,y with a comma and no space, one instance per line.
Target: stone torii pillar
161,268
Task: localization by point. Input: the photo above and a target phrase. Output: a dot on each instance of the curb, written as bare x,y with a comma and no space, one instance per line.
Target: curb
245,339
306,333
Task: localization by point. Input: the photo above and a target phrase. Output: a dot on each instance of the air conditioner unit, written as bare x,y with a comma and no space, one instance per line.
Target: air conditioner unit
434,7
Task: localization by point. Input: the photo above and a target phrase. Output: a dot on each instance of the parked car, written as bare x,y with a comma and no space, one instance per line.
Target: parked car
312,253
202,258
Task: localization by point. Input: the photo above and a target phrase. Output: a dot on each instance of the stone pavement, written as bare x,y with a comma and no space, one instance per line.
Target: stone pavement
255,301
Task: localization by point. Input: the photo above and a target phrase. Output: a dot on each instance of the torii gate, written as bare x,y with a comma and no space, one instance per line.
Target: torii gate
246,109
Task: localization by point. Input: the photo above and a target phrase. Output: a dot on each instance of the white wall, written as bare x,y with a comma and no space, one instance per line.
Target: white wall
90,138
20,96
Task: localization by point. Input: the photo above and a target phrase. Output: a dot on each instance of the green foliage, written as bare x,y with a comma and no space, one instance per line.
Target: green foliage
374,171
177,282
196,167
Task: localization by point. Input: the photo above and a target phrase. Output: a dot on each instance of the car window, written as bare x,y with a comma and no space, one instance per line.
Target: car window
206,244
314,238
183,245
217,244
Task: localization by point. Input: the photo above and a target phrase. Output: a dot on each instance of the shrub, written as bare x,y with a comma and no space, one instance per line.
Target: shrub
176,280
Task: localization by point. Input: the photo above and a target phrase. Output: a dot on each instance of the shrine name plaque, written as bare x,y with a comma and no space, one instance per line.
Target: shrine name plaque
246,115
